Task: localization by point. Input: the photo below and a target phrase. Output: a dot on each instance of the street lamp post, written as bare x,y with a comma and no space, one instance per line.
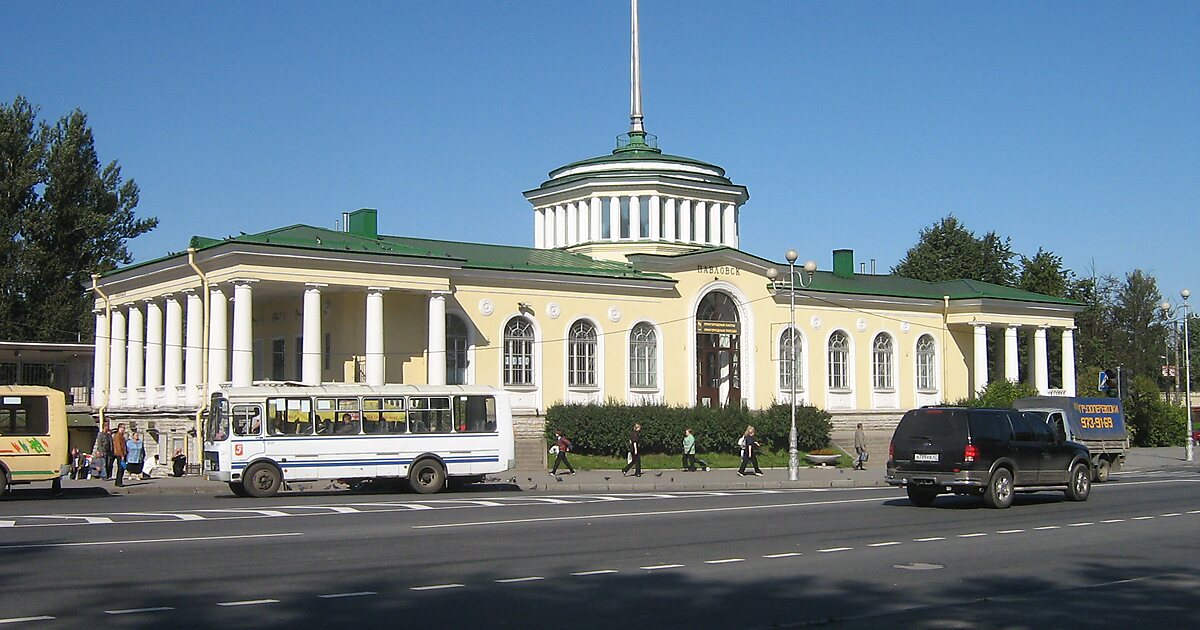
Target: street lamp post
810,267
1187,362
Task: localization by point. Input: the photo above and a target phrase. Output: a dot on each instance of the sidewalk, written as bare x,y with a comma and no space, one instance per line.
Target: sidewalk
614,481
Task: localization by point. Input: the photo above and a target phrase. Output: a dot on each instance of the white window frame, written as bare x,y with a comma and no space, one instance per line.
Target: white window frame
583,350
530,351
926,371
652,360
846,373
883,363
784,374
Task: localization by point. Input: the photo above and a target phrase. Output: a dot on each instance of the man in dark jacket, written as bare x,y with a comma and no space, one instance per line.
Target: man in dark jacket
635,452
104,447
561,446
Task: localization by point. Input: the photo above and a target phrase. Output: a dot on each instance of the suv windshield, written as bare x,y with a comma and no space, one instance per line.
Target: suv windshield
932,424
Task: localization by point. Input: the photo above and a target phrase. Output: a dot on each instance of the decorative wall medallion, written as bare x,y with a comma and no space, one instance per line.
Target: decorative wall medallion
815,322
861,325
905,327
486,307
553,310
614,313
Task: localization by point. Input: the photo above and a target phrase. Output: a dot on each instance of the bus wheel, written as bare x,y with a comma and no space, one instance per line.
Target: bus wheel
262,480
238,489
426,476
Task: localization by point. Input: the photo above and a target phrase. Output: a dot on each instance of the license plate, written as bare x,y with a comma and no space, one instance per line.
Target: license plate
925,457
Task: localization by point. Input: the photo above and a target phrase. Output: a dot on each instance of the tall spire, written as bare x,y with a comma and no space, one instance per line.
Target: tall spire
635,74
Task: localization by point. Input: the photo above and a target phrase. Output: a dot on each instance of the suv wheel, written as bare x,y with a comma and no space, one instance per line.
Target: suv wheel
999,492
921,497
1080,484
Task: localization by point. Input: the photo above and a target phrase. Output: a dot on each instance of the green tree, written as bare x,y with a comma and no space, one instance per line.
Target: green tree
1152,421
947,250
66,216
1139,336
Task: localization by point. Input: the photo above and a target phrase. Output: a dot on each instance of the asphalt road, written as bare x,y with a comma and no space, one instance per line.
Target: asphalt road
860,557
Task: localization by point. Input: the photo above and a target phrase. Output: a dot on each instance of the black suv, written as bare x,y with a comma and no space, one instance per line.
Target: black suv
990,453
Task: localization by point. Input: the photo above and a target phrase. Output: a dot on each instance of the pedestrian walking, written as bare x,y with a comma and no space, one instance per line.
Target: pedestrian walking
135,455
689,450
561,446
119,452
749,453
104,447
635,452
860,448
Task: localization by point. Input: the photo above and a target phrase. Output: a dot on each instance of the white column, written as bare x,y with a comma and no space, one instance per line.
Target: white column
243,334
669,219
730,235
310,360
1068,361
685,221
375,363
116,357
194,353
635,218
614,218
135,366
1041,376
218,338
548,237
655,218
979,374
560,226
100,365
700,217
572,224
1011,372
539,228
597,219
436,364
714,224
584,222
173,353
154,352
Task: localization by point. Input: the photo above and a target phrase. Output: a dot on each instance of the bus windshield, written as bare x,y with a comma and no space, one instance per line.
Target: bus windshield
216,427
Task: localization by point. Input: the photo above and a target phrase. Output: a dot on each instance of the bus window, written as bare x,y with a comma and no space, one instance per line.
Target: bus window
430,415
347,421
247,420
25,415
394,416
326,416
216,428
475,414
372,418
287,417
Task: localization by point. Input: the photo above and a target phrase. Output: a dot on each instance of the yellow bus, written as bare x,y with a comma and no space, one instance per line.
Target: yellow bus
33,436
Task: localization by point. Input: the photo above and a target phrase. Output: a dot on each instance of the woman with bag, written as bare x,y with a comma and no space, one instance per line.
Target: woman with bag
749,453
135,454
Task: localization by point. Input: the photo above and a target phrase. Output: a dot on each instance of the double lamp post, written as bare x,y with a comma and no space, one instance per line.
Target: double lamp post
1185,313
794,282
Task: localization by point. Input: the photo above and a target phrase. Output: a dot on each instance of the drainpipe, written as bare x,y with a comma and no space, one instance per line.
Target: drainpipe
191,253
108,355
945,331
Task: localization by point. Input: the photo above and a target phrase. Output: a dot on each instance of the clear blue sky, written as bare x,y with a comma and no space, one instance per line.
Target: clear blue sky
1069,126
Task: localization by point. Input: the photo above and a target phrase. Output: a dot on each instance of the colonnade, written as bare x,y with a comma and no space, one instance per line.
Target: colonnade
668,219
1038,372
139,362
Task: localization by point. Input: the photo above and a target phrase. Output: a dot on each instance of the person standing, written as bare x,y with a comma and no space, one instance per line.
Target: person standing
135,455
860,448
119,452
562,445
104,447
178,462
749,453
635,452
689,450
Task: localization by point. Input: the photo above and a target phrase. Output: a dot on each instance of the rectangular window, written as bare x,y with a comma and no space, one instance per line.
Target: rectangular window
430,415
328,353
247,420
475,414
259,358
24,415
384,416
337,416
8,373
299,374
289,417
278,360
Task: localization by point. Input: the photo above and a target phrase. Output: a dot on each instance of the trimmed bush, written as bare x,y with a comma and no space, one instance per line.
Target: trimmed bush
999,394
604,429
1153,421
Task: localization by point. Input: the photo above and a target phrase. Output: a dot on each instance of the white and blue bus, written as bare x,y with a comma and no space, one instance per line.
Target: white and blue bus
259,437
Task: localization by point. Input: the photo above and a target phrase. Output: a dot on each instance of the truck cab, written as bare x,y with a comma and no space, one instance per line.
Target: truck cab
1097,423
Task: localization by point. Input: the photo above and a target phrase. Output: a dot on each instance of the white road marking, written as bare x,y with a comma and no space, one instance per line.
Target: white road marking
180,516
975,535
1194,512
1113,520
724,561
736,508
134,611
834,549
1085,524
24,619
7,523
596,572
340,595
267,513
930,539
1142,518
918,566
884,544
339,509
1011,531
435,587
1171,514
1045,527
789,554
146,541
532,578
90,520
656,567
249,602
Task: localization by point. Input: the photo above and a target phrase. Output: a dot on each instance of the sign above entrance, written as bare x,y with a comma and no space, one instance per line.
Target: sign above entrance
719,270
716,328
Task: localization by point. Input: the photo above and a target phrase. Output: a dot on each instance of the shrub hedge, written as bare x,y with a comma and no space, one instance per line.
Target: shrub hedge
597,429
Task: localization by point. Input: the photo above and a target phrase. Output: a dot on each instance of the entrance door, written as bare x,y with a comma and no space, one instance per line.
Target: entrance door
718,360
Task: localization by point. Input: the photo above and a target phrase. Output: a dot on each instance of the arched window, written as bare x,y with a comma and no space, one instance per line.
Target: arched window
581,354
643,357
456,350
926,364
839,361
518,352
882,365
791,350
